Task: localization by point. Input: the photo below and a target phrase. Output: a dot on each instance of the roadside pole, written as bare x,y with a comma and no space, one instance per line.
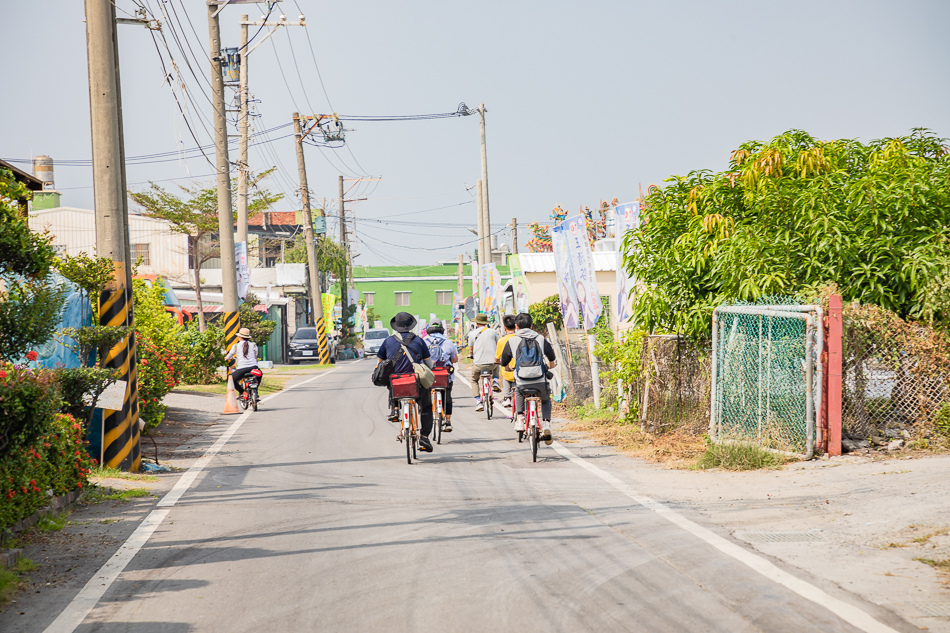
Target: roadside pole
120,429
242,140
344,292
514,236
461,294
225,214
482,235
483,207
316,299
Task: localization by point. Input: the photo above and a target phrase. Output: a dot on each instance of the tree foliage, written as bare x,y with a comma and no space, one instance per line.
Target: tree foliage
30,302
254,320
789,216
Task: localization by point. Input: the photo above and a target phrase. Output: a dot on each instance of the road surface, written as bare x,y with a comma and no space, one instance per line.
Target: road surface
305,516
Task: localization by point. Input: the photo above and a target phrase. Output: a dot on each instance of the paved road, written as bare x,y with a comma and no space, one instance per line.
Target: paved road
309,519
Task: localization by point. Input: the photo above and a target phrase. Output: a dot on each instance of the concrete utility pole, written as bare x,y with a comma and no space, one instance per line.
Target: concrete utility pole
461,293
316,299
484,207
119,446
225,215
482,229
344,293
514,236
242,139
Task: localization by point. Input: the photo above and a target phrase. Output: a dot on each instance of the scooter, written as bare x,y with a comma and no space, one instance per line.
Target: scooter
251,382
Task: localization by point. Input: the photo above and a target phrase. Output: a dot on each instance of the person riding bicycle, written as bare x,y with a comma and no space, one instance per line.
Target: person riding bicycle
244,351
392,347
507,372
528,349
485,340
443,353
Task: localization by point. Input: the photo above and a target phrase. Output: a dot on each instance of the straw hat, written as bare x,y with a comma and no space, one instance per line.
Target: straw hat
244,333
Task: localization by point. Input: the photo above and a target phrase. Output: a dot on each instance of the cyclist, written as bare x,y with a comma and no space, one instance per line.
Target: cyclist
244,351
528,350
507,372
402,325
484,342
443,353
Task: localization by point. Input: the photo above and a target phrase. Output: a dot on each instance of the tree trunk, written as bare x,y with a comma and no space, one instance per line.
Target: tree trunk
201,308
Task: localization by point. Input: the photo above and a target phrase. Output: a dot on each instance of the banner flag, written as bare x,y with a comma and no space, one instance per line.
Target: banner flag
628,218
565,278
519,285
582,267
243,272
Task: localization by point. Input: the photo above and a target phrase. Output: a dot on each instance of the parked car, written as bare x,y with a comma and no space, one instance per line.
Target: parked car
372,339
304,345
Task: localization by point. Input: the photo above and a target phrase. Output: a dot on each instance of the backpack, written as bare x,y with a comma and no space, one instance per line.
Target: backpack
436,353
529,364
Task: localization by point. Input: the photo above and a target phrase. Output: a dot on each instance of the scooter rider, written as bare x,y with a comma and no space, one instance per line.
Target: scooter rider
244,351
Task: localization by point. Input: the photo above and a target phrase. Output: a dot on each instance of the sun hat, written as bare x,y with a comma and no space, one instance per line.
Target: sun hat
482,319
403,322
244,333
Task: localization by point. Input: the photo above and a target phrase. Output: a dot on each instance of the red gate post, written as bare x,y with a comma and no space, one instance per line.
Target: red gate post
835,330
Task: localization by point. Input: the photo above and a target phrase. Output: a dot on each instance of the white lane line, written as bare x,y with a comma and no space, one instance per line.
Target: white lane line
89,596
847,612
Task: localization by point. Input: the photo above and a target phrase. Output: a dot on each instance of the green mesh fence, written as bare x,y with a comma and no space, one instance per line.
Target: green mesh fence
763,363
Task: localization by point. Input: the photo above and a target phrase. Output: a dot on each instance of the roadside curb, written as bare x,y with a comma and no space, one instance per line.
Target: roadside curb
8,558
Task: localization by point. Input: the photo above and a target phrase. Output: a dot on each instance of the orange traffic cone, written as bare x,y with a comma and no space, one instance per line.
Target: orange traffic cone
230,400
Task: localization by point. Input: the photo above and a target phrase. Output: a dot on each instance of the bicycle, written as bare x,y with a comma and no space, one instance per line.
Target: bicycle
485,385
439,388
532,421
405,392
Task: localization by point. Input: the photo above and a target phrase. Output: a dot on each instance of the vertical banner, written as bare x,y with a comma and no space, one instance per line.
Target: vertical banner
243,272
565,277
329,301
491,283
628,218
476,282
519,285
582,265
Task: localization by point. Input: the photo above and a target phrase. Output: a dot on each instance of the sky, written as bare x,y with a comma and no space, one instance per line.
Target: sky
586,101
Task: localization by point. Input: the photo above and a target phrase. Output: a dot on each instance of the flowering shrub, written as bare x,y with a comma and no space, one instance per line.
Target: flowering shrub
55,463
203,355
28,400
160,371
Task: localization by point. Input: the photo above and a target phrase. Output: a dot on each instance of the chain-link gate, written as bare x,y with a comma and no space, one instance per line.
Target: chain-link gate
765,385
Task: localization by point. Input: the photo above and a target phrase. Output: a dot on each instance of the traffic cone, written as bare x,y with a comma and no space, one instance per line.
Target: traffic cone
230,399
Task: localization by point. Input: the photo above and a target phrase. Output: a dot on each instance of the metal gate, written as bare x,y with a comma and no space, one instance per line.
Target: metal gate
765,376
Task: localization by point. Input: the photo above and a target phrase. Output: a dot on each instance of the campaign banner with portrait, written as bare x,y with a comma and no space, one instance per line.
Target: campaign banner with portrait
243,271
589,304
519,285
565,278
628,218
491,283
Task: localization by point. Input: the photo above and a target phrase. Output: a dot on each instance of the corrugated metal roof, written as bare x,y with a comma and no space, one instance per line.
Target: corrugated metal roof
544,262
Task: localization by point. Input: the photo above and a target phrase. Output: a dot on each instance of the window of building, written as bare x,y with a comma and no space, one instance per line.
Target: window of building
443,297
369,298
402,298
140,252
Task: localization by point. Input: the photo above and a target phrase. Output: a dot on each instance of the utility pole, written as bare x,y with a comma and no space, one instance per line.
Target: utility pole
242,142
316,299
483,207
514,236
225,215
482,229
120,430
344,292
461,294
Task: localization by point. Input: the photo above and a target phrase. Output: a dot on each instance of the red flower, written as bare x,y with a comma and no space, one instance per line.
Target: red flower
3,374
32,355
144,362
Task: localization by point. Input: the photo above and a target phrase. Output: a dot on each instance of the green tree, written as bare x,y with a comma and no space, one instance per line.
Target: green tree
91,274
197,217
789,216
254,320
30,301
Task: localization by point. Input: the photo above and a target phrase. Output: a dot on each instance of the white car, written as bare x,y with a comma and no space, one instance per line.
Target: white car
373,339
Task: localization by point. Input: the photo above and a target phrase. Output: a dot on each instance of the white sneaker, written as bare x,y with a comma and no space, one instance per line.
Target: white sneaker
518,424
480,406
546,432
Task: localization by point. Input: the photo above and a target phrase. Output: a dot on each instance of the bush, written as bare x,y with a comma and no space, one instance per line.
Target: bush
76,383
737,456
160,371
202,355
546,311
254,320
28,400
55,463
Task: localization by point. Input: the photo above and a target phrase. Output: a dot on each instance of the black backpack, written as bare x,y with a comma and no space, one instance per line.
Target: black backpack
529,364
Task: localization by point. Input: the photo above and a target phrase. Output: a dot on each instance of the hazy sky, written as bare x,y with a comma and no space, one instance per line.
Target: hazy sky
586,101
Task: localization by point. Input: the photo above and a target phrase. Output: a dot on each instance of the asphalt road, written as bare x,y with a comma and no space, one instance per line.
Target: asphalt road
309,519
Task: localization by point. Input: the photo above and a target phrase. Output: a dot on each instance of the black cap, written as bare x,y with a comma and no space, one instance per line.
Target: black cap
403,322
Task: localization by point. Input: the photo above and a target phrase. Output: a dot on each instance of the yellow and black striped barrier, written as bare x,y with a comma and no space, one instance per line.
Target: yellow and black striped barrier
232,322
324,352
120,429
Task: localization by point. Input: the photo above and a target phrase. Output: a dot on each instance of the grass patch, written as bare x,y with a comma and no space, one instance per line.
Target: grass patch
10,578
103,472
738,456
52,522
923,539
98,495
941,565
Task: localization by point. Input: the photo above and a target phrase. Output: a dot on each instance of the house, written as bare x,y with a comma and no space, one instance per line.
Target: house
33,183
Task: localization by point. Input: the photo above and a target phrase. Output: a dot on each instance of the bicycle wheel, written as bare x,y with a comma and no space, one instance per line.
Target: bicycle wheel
437,417
489,404
534,437
407,440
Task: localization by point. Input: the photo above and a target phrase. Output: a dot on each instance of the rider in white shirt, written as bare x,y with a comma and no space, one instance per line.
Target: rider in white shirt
245,354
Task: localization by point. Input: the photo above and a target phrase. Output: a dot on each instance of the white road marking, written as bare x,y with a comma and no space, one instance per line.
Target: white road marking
849,613
88,597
